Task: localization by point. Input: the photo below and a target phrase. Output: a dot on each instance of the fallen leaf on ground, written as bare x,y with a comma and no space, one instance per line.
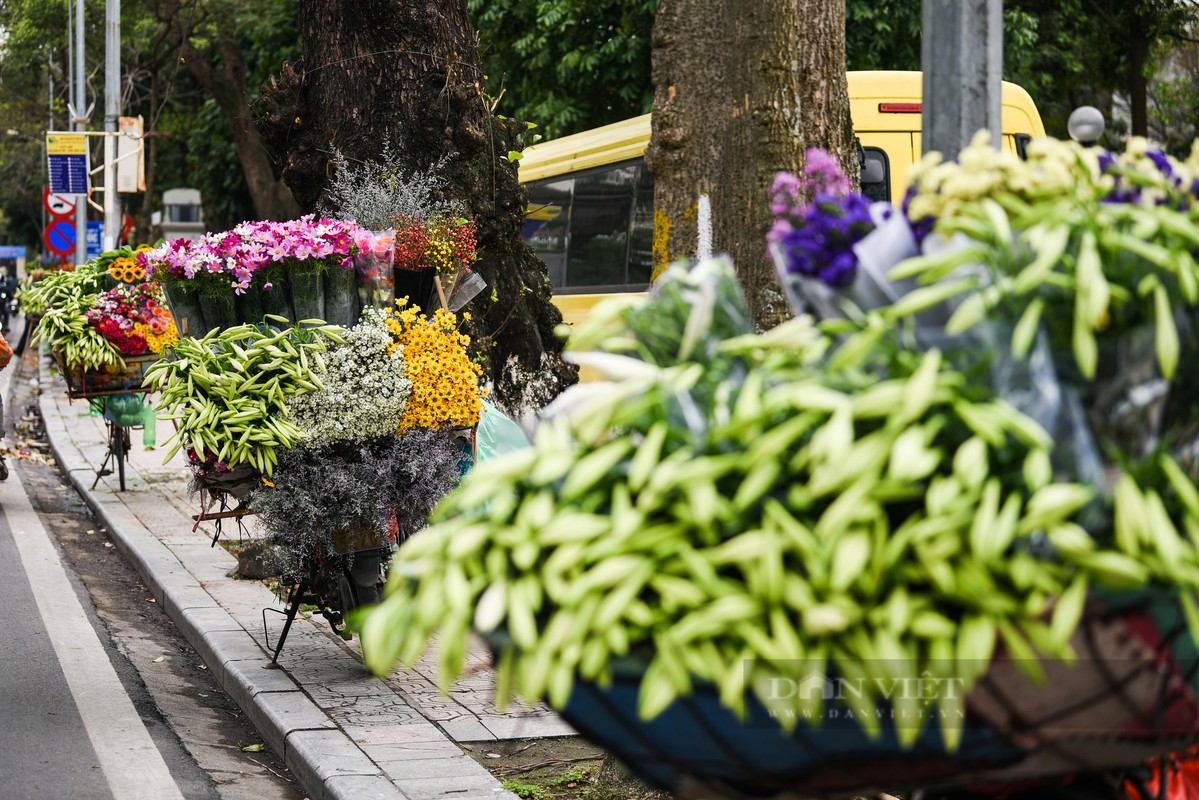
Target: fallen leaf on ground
253,748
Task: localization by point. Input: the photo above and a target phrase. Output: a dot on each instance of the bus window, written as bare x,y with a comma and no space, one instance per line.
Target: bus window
641,230
547,225
876,176
599,227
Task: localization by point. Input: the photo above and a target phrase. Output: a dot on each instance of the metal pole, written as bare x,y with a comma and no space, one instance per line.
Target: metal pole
962,55
80,125
112,111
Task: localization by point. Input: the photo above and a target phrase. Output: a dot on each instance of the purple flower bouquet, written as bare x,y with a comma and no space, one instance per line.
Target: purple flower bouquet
832,252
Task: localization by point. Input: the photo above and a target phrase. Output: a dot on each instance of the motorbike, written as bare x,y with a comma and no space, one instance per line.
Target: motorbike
8,308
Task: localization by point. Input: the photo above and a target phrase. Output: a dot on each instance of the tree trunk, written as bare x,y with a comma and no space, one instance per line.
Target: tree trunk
408,72
738,94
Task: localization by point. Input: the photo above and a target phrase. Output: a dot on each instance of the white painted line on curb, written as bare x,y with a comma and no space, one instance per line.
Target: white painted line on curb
132,765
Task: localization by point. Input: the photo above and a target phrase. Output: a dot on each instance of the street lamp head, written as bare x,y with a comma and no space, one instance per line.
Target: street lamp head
1085,125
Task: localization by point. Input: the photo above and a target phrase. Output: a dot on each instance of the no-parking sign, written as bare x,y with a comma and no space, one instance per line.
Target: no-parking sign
59,205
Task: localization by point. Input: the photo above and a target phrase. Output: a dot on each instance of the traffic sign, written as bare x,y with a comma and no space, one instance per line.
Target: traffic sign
95,232
60,236
13,251
66,154
58,205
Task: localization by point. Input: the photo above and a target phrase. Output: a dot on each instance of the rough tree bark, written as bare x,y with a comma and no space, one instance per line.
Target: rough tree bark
408,71
740,89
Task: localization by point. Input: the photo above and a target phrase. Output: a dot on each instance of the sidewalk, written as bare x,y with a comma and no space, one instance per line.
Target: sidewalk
343,732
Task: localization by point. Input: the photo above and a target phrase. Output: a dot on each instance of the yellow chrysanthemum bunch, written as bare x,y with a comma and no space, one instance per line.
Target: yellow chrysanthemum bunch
126,270
445,384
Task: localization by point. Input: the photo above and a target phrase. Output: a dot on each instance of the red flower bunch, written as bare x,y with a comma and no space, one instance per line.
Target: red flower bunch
410,244
443,241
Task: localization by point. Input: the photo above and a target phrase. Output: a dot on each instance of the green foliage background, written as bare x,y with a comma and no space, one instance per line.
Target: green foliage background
567,65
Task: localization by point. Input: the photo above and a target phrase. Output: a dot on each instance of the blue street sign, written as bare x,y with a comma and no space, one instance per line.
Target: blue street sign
60,236
66,154
95,233
13,251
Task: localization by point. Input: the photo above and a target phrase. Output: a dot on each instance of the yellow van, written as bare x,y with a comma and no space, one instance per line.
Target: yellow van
590,214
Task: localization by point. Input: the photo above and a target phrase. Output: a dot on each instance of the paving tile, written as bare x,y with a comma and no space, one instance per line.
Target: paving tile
538,727
418,731
467,729
403,769
452,787
384,754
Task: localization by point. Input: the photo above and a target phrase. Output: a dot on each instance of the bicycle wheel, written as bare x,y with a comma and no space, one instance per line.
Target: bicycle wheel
120,451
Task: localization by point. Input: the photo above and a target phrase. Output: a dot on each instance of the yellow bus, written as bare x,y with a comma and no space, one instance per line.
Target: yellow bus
590,213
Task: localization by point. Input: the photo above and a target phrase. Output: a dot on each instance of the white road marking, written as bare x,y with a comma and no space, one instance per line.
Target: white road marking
132,765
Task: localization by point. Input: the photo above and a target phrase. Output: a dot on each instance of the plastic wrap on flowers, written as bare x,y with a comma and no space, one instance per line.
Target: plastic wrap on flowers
374,266
248,306
218,311
340,288
184,302
276,298
307,294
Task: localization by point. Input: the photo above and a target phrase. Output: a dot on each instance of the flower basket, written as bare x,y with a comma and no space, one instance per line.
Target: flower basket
357,537
237,482
1131,696
84,383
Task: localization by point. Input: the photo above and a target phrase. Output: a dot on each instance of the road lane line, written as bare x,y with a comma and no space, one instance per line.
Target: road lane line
132,765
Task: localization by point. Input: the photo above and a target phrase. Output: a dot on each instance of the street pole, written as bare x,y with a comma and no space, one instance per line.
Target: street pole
962,58
112,112
80,125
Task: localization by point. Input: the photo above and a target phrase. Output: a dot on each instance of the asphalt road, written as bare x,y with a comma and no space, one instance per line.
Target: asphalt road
69,727
44,746
100,697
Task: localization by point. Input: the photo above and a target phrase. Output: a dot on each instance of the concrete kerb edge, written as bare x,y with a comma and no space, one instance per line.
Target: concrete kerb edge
310,778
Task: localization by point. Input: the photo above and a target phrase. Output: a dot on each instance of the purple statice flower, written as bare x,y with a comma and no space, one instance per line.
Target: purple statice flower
822,174
785,194
820,242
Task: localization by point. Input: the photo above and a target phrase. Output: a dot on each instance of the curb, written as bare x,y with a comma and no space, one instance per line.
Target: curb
328,764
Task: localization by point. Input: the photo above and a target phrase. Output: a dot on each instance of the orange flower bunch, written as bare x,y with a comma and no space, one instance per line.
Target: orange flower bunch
126,270
160,332
445,383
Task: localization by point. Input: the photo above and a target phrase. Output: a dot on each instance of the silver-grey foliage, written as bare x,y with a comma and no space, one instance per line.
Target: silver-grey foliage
374,193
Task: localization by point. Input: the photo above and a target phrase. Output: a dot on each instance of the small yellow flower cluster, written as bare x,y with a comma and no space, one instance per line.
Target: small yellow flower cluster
451,246
445,384
126,270
157,342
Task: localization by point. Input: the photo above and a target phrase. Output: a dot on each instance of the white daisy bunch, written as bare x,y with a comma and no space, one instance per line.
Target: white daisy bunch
364,392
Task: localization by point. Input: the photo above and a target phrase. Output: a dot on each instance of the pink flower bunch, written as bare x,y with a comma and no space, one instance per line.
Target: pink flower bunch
236,255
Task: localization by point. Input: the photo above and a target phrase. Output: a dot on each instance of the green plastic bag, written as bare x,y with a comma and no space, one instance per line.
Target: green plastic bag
498,434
